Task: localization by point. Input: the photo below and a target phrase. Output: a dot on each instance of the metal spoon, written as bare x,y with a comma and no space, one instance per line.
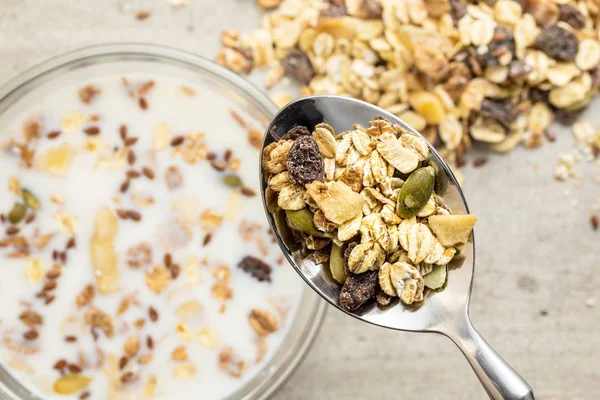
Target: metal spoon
445,312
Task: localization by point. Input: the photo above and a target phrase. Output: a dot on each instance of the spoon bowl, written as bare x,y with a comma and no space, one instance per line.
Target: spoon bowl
444,312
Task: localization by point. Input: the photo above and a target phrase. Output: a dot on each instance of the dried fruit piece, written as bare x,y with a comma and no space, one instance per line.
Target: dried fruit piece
71,384
297,65
103,254
257,268
336,264
338,202
392,151
358,289
263,322
429,106
452,229
415,192
304,161
296,132
571,16
558,43
407,281
503,111
436,278
17,213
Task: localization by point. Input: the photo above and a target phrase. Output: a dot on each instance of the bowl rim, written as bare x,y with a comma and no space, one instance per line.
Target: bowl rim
33,77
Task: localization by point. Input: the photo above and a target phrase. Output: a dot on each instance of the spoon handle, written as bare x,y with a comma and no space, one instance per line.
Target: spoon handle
497,377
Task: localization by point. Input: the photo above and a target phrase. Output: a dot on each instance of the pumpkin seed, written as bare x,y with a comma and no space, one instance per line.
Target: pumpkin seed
441,179
336,263
285,233
71,384
17,213
271,200
302,220
436,278
233,181
415,192
30,199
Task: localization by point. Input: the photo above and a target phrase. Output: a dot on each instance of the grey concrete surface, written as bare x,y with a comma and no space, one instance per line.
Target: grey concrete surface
538,260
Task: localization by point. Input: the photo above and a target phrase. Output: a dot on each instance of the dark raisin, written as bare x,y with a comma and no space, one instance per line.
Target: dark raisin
297,65
571,16
296,132
519,69
503,43
305,162
558,43
257,268
358,289
458,9
503,111
566,117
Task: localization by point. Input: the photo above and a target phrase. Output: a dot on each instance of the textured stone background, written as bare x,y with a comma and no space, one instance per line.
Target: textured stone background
535,248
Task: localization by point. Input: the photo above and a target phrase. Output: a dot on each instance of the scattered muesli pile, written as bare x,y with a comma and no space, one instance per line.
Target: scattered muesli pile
134,254
495,71
369,202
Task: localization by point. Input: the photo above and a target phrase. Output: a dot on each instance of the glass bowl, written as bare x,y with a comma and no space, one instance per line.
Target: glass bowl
24,90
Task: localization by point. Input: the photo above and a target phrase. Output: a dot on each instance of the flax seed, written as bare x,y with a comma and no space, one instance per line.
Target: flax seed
84,395
148,173
174,270
92,131
206,239
124,186
153,314
60,364
150,342
143,103
131,157
70,339
53,134
123,132
227,155
133,174
211,156
52,274
48,286
30,218
219,165
177,140
31,334
594,221
71,243
248,192
128,377
122,213
478,162
12,230
49,300
74,368
131,141
167,259
123,362
134,215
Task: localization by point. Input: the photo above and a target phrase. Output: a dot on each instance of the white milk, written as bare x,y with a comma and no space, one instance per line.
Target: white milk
89,187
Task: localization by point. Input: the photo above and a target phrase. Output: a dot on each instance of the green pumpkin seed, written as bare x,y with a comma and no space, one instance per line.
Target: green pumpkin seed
17,213
436,278
30,199
302,220
336,263
441,179
285,233
415,192
271,200
233,181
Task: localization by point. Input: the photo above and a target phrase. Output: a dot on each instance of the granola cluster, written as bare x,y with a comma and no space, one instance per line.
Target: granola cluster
368,202
498,72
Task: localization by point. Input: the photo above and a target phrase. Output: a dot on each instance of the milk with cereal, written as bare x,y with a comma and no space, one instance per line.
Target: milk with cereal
147,269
